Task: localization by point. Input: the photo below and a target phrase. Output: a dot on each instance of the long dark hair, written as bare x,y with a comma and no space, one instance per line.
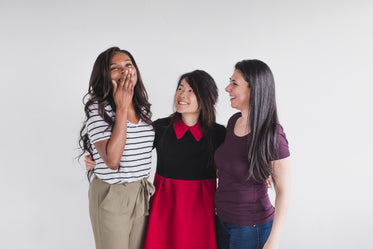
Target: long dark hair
206,91
263,117
100,91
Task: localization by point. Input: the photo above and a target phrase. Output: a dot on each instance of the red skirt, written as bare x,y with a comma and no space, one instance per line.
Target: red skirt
182,215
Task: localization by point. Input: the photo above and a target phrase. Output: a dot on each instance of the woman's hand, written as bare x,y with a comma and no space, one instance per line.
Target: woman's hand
269,182
123,90
269,245
89,163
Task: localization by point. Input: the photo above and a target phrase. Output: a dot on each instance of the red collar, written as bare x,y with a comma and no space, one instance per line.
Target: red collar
181,128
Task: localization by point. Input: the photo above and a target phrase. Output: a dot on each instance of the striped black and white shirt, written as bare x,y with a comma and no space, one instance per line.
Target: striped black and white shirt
136,159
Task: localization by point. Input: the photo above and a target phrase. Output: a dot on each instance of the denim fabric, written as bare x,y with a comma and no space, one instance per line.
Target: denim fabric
231,236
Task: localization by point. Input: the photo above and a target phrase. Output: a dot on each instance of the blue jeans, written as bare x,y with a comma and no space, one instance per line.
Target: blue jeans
231,236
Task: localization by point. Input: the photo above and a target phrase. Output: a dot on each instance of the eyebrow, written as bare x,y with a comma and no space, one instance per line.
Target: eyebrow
124,61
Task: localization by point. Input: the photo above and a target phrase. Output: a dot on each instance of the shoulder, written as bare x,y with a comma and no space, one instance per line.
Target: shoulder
160,127
93,108
235,116
283,145
232,120
219,133
218,128
280,131
162,122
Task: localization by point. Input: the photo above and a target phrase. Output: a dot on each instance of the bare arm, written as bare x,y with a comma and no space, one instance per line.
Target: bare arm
281,182
111,150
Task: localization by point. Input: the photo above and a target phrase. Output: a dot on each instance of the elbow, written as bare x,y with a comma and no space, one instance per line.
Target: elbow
113,164
283,196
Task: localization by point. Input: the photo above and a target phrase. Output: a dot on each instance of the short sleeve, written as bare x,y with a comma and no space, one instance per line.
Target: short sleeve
160,126
283,145
219,135
97,128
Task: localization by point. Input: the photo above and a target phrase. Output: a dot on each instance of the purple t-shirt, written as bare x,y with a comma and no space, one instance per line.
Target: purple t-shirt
240,201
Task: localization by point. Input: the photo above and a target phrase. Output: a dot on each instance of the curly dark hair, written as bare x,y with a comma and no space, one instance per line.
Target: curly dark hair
100,91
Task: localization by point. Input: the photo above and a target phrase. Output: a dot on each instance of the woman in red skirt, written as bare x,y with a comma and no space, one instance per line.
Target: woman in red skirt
182,208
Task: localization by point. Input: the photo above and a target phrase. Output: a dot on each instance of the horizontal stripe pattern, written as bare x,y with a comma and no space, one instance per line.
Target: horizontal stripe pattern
136,159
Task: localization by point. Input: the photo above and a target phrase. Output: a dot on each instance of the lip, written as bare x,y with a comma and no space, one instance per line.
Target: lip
180,102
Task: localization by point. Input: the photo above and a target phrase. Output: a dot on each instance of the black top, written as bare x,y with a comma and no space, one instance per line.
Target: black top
184,158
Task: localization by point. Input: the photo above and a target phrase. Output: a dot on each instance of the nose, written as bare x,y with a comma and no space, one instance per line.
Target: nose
182,94
124,70
228,88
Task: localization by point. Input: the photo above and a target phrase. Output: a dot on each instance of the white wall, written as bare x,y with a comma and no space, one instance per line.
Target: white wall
321,55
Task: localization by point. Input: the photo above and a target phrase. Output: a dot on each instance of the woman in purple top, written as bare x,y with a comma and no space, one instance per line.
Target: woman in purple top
255,149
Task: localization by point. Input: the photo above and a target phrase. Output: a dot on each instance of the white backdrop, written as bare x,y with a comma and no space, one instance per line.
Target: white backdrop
321,55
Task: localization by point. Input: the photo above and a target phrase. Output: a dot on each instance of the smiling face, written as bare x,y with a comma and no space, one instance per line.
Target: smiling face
239,91
185,99
119,64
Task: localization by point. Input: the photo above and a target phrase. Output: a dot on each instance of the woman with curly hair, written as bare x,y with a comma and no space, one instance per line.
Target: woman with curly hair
118,134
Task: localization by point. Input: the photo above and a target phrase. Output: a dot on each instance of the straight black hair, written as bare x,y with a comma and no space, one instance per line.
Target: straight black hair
206,91
263,118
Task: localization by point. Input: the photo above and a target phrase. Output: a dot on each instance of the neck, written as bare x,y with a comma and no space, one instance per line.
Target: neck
190,119
245,114
244,120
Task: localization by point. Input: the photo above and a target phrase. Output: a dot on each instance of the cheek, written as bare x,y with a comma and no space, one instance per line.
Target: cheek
195,103
247,98
114,75
135,75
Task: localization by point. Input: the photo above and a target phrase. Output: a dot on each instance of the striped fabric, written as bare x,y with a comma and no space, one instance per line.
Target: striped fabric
136,158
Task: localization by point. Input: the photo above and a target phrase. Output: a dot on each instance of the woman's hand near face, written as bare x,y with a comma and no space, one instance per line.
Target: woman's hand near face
123,76
111,150
123,90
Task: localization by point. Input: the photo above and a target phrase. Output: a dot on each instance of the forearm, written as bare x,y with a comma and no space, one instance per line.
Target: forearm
281,183
115,145
281,209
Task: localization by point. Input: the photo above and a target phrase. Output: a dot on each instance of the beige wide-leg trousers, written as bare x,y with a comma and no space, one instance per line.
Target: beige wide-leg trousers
119,213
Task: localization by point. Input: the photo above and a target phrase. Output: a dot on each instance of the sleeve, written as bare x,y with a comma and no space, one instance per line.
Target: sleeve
156,131
160,127
283,149
97,128
219,135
